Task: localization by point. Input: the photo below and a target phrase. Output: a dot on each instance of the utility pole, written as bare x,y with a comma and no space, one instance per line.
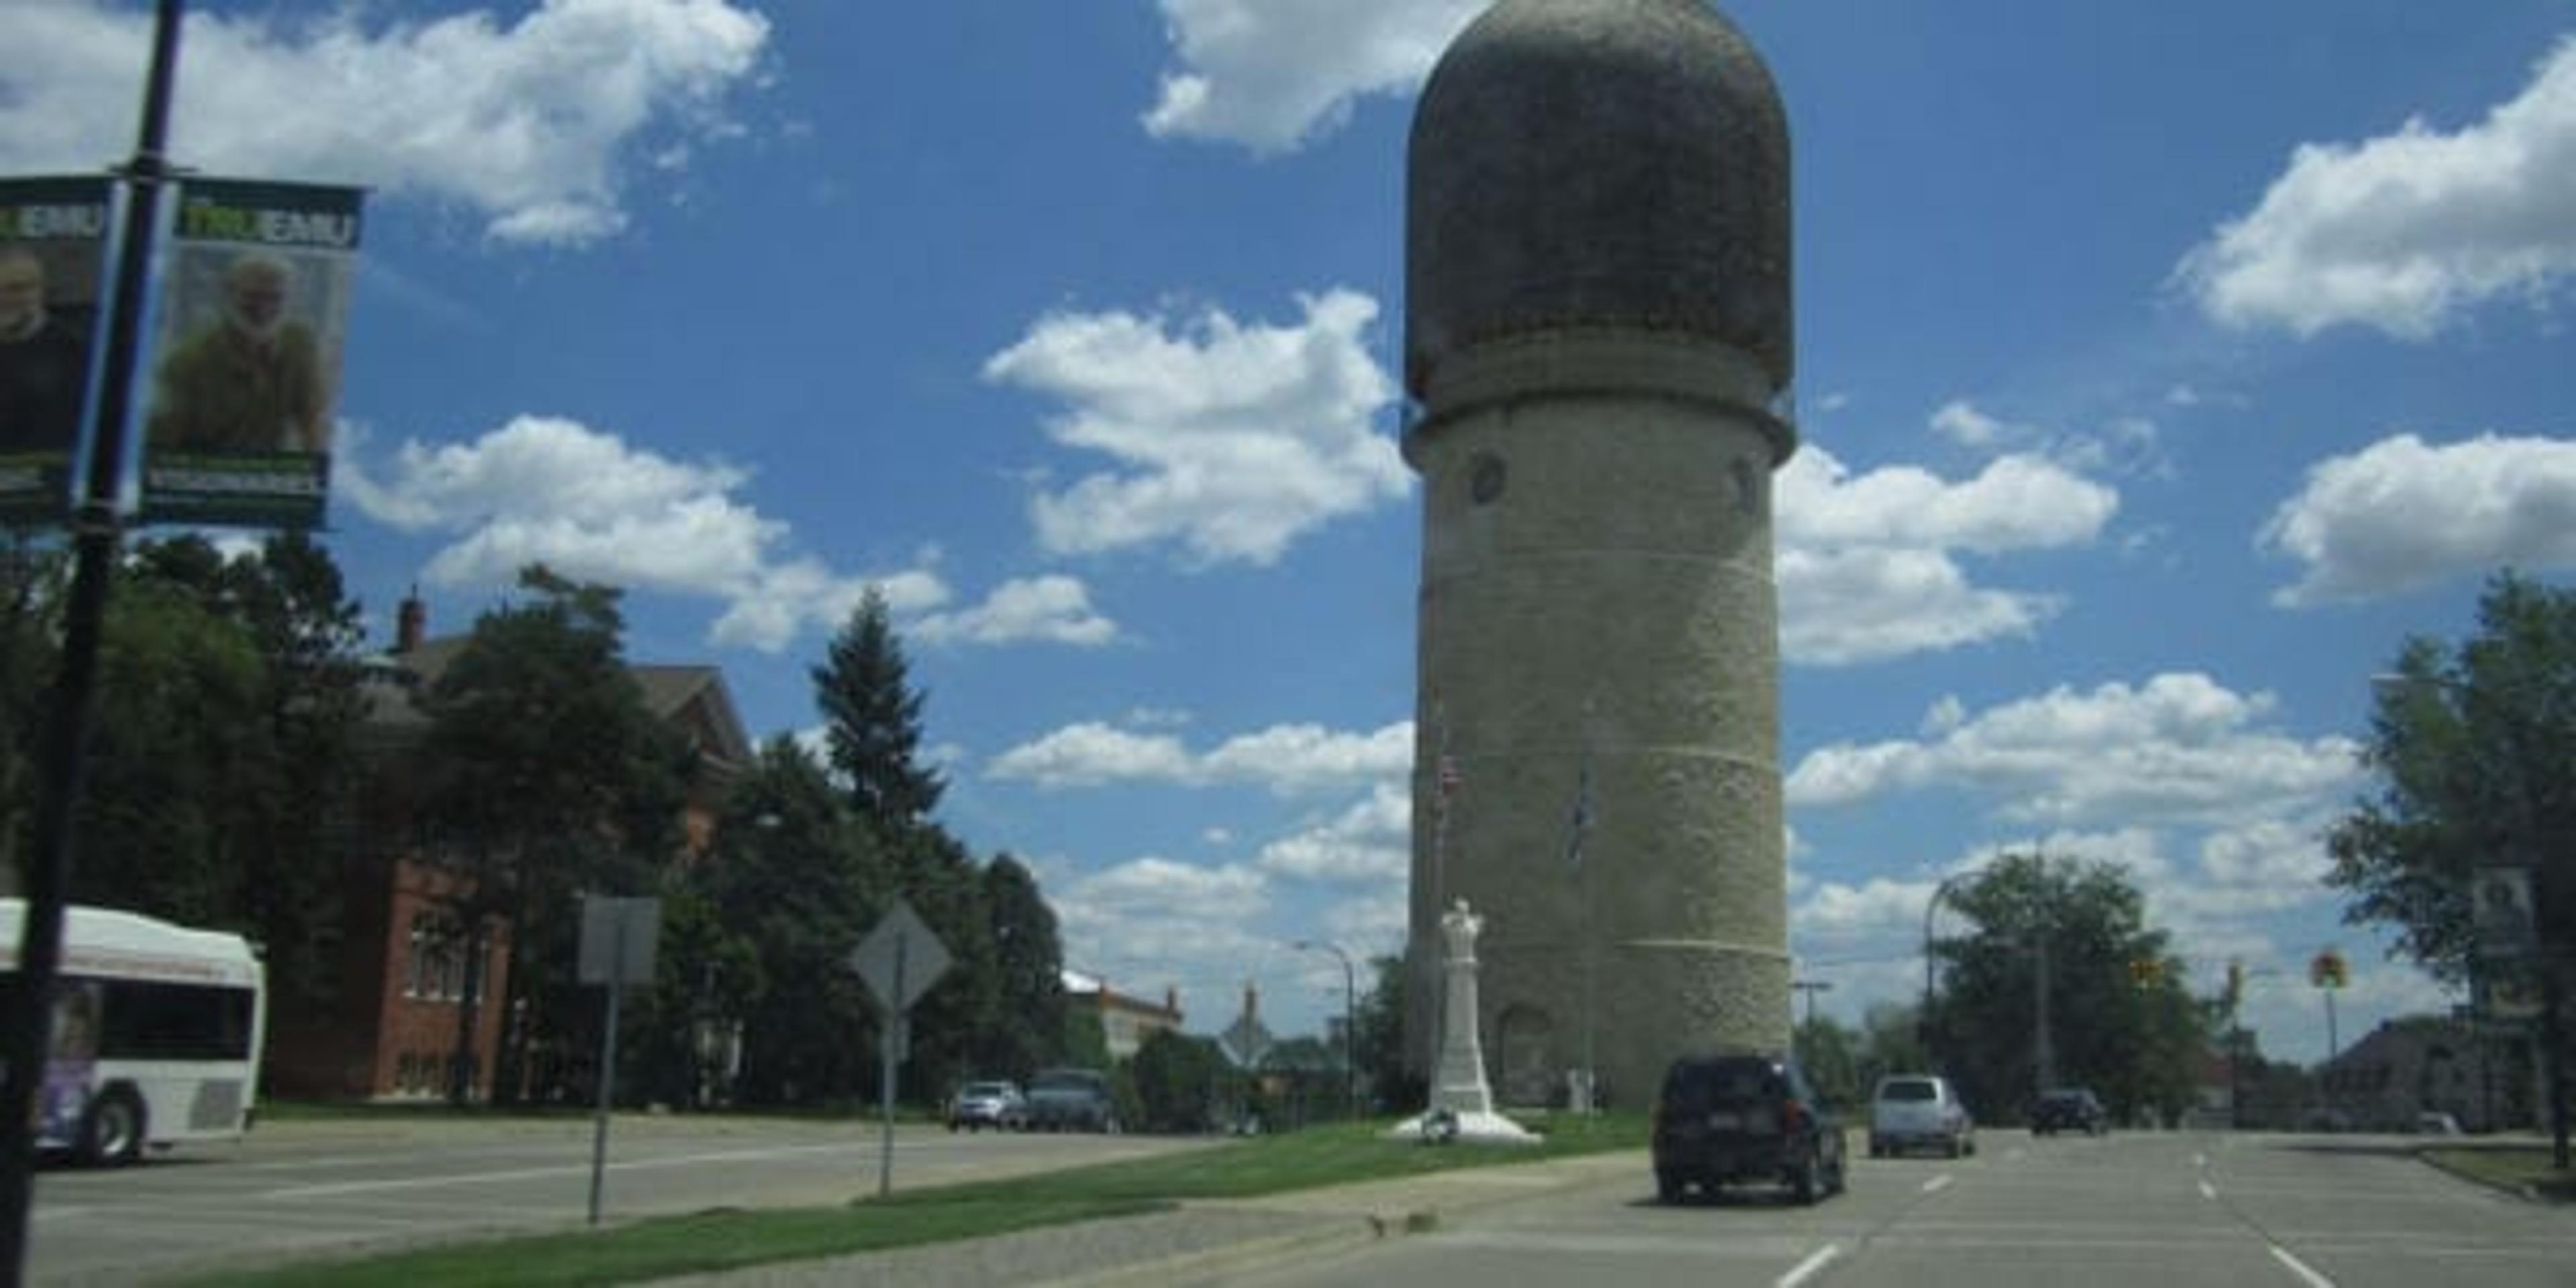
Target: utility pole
1811,987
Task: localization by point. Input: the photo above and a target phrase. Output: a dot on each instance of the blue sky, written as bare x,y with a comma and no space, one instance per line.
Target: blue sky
2160,368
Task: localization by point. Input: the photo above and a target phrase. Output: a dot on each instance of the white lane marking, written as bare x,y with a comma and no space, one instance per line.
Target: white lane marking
1937,1184
2299,1268
2209,1191
542,1173
2200,1161
1817,1261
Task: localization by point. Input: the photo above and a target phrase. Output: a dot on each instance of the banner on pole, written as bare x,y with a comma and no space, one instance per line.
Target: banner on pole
254,314
53,243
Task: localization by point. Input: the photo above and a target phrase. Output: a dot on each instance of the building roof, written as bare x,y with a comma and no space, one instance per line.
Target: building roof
1598,164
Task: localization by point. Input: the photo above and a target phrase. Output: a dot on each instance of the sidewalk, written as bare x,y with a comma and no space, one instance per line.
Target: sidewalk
1201,1242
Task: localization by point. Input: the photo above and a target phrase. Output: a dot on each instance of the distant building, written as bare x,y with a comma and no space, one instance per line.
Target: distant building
390,1029
2426,1064
1125,1022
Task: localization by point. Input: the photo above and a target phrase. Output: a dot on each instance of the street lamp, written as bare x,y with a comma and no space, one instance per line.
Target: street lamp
1350,1023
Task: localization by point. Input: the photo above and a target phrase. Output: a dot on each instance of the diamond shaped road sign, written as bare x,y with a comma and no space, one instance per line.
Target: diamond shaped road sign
900,959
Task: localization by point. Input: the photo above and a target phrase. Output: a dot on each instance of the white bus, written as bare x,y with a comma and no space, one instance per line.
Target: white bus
156,1034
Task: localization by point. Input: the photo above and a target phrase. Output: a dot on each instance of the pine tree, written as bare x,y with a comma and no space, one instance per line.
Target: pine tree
872,719
1027,1032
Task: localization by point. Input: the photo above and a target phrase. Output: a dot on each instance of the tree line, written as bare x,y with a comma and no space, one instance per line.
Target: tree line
237,780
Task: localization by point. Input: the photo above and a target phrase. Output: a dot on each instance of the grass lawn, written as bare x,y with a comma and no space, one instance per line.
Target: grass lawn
2507,1167
1321,1156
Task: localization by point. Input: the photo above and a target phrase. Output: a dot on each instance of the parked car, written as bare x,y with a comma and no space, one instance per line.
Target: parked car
1734,1117
2068,1109
1071,1100
979,1105
1919,1111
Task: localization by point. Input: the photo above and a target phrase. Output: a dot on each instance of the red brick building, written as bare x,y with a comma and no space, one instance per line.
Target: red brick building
390,1028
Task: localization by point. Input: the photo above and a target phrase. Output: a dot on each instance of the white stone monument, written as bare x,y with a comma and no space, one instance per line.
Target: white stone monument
1462,1102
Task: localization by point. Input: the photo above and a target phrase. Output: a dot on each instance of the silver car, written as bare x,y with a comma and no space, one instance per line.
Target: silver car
1919,1111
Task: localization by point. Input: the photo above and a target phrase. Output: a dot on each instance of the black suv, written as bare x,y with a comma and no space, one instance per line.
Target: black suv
1744,1116
1070,1100
2068,1109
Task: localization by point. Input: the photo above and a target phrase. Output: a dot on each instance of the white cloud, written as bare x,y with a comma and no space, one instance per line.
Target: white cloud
1154,922
2404,231
1233,440
538,125
1870,604
2178,749
1284,758
1369,843
1053,608
592,505
1969,427
2403,514
2014,503
1865,569
1879,906
1274,74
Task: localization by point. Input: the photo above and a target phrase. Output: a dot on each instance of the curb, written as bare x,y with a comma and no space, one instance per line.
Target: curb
1336,1233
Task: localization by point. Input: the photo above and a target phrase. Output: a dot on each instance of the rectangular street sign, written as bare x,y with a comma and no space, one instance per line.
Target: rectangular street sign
607,957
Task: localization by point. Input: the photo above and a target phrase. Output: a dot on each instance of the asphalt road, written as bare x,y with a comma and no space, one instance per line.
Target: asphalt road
294,1189
2130,1209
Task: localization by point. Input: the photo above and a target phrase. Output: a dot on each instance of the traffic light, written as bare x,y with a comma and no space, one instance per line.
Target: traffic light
2327,970
2235,982
2146,972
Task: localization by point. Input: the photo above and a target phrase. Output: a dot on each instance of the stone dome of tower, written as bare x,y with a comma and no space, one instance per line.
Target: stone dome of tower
1598,165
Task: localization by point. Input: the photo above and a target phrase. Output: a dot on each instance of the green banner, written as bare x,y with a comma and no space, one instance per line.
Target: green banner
254,313
53,239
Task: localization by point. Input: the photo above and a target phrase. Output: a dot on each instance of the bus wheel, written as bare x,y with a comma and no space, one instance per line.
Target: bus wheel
112,1134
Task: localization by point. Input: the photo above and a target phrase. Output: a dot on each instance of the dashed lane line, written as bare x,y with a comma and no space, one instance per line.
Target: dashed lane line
2300,1268
1815,1263
1938,1183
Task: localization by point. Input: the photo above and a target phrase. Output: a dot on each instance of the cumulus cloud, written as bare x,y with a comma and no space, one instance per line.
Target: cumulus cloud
1369,843
1054,608
594,506
2178,749
539,125
2402,514
1865,567
1274,74
2404,231
1233,440
1152,922
1287,759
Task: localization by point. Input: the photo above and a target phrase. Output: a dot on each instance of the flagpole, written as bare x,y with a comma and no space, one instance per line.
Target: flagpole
1591,945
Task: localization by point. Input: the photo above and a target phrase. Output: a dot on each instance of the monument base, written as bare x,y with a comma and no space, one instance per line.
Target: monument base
1475,1127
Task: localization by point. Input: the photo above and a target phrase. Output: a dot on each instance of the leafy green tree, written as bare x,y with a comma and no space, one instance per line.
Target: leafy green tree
796,880
674,1037
1086,1041
2473,747
1177,1079
2474,750
953,1022
1380,1040
2129,1032
872,721
32,583
1832,1055
1027,1031
542,775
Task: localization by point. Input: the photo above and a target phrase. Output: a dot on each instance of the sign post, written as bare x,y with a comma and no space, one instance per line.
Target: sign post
618,937
898,961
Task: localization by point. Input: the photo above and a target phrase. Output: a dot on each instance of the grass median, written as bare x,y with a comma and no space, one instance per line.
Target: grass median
1323,1156
2507,1167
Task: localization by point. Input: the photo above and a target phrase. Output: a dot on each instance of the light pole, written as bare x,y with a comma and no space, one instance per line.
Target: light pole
1350,1023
